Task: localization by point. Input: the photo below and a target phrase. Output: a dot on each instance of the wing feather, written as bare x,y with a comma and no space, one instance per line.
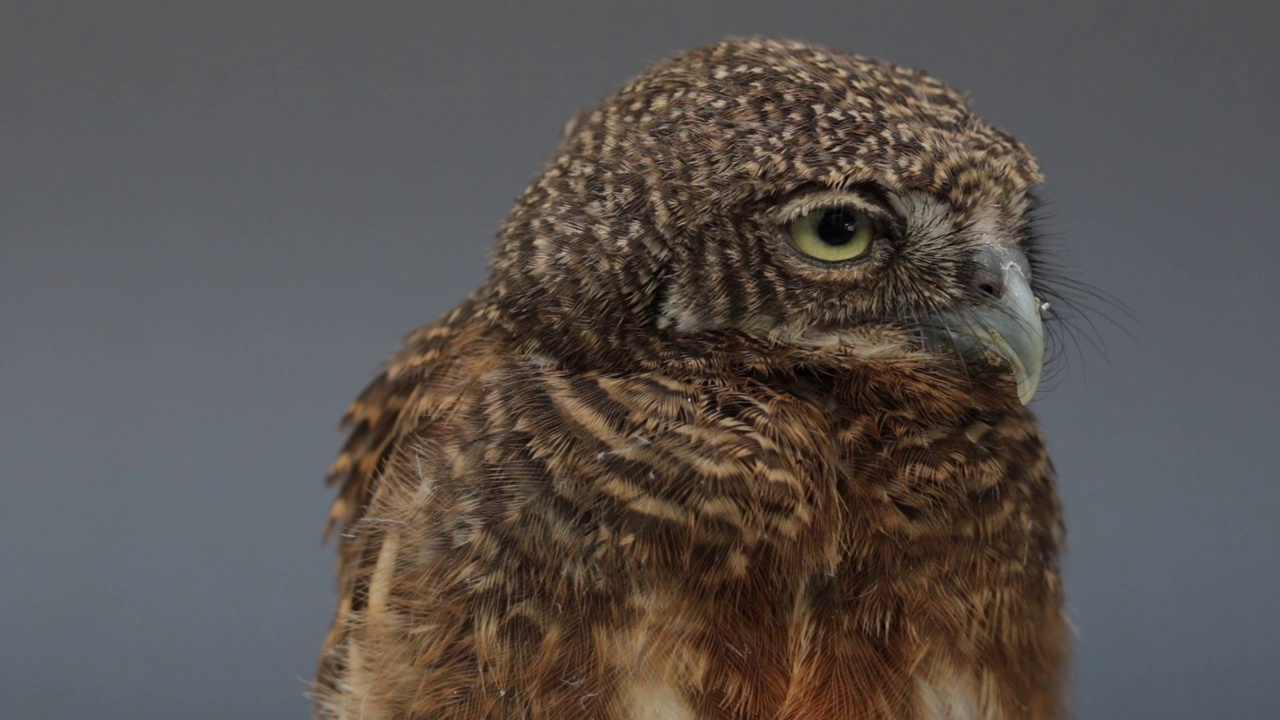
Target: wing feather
405,394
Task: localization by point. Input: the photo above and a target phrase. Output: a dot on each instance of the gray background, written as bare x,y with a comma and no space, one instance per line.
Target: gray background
217,220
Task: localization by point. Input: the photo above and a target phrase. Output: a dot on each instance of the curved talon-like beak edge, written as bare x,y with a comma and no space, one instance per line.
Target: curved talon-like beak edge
1010,327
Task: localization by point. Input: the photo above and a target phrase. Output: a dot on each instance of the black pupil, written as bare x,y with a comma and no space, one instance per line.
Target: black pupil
837,227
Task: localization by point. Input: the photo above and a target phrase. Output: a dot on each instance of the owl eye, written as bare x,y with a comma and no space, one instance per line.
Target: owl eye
833,234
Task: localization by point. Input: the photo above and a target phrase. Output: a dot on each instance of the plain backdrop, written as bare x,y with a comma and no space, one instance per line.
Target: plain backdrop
216,219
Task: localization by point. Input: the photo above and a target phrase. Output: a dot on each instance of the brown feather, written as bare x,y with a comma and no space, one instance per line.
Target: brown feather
634,476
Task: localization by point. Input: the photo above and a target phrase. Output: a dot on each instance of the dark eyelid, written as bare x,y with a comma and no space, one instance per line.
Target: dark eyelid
876,195
880,209
866,198
887,219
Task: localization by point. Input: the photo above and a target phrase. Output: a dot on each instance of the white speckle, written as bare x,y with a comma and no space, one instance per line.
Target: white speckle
658,701
951,698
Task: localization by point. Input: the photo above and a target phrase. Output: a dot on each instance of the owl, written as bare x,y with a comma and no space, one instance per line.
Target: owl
735,429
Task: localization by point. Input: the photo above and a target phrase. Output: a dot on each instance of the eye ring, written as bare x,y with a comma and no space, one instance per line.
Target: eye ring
834,234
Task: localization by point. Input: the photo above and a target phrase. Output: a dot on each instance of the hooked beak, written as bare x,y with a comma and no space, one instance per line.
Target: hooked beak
1007,330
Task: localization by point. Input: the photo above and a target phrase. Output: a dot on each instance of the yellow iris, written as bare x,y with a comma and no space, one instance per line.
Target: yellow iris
833,234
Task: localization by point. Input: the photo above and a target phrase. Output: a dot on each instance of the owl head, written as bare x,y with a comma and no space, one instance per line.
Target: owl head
776,200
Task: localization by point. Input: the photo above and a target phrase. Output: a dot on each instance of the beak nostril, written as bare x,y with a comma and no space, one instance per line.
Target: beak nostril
989,289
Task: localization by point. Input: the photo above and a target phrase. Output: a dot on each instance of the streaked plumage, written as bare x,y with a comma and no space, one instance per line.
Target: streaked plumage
663,465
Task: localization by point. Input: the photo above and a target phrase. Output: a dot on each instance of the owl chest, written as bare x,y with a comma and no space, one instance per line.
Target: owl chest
760,556
889,587
819,659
